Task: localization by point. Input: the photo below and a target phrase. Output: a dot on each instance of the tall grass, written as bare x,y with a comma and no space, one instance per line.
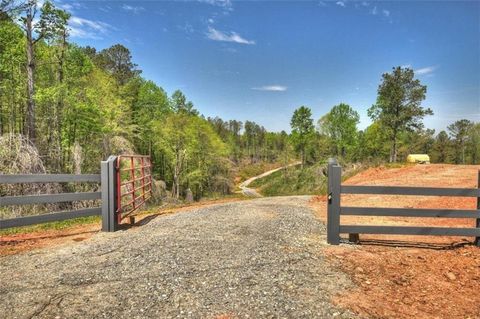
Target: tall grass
294,181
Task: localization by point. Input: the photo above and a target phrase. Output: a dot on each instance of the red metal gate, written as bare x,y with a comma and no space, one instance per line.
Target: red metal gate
134,184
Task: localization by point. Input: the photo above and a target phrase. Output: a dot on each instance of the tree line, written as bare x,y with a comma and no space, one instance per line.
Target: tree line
78,105
397,129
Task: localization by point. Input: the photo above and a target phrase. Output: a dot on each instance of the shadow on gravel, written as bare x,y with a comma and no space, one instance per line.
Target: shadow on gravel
147,219
143,221
412,244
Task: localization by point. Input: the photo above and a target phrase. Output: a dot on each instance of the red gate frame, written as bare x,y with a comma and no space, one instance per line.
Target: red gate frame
146,186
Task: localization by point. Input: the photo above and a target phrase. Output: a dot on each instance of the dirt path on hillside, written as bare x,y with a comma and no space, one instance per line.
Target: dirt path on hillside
410,276
252,192
260,258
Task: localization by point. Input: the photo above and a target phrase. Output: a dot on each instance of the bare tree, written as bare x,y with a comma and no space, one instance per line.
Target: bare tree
51,22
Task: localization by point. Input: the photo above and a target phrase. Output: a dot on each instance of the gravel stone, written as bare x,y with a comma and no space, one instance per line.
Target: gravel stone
259,258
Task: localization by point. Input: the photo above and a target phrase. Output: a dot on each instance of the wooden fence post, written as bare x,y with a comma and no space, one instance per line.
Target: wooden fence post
109,190
333,211
477,239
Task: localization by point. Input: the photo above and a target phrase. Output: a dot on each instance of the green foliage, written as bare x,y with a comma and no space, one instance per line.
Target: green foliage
117,61
192,152
441,148
302,130
459,132
340,126
294,181
53,22
149,104
180,104
88,105
373,143
12,77
398,106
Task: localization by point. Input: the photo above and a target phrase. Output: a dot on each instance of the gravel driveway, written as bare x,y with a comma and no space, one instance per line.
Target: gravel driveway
251,259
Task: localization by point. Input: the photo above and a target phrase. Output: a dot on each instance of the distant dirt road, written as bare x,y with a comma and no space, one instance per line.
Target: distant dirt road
260,258
251,192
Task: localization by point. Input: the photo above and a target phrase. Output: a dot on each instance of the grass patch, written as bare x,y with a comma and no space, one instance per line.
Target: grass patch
51,225
294,181
310,180
250,170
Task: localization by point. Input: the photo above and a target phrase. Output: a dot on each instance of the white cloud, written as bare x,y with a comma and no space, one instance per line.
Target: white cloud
82,34
216,35
211,21
70,6
340,3
105,9
383,13
225,4
87,29
272,88
425,70
322,3
133,9
187,28
66,6
365,4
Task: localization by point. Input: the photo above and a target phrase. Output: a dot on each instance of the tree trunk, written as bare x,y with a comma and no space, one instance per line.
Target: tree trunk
174,186
57,151
2,122
393,152
176,174
30,127
303,156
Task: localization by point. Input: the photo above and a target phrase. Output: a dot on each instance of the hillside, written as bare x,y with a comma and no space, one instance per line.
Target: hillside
293,181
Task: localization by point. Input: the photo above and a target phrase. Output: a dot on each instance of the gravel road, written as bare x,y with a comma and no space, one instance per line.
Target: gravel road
260,258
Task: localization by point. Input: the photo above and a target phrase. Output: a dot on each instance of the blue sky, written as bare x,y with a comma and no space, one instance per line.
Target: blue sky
261,60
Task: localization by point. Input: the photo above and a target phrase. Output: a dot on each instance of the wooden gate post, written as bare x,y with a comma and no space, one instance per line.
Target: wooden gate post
333,211
109,195
477,239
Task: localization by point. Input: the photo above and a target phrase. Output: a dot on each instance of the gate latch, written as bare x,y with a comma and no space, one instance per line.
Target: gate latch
329,198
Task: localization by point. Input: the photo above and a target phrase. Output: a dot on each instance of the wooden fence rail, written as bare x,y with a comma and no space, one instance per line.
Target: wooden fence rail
110,181
335,210
107,196
49,198
49,178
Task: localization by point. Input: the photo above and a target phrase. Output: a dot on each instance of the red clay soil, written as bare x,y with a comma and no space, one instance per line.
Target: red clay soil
17,243
410,276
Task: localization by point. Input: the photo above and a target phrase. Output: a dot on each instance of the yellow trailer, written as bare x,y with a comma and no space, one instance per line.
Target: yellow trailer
418,158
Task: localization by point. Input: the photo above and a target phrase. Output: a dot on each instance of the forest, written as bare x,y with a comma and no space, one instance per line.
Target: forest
74,106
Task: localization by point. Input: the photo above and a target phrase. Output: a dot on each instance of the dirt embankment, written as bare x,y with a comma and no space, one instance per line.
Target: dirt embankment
410,276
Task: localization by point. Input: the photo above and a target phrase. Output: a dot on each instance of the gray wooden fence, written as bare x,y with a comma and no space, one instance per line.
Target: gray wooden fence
335,210
107,195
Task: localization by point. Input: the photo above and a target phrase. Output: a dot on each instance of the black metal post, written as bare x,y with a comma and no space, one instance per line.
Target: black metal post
333,208
109,195
477,239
